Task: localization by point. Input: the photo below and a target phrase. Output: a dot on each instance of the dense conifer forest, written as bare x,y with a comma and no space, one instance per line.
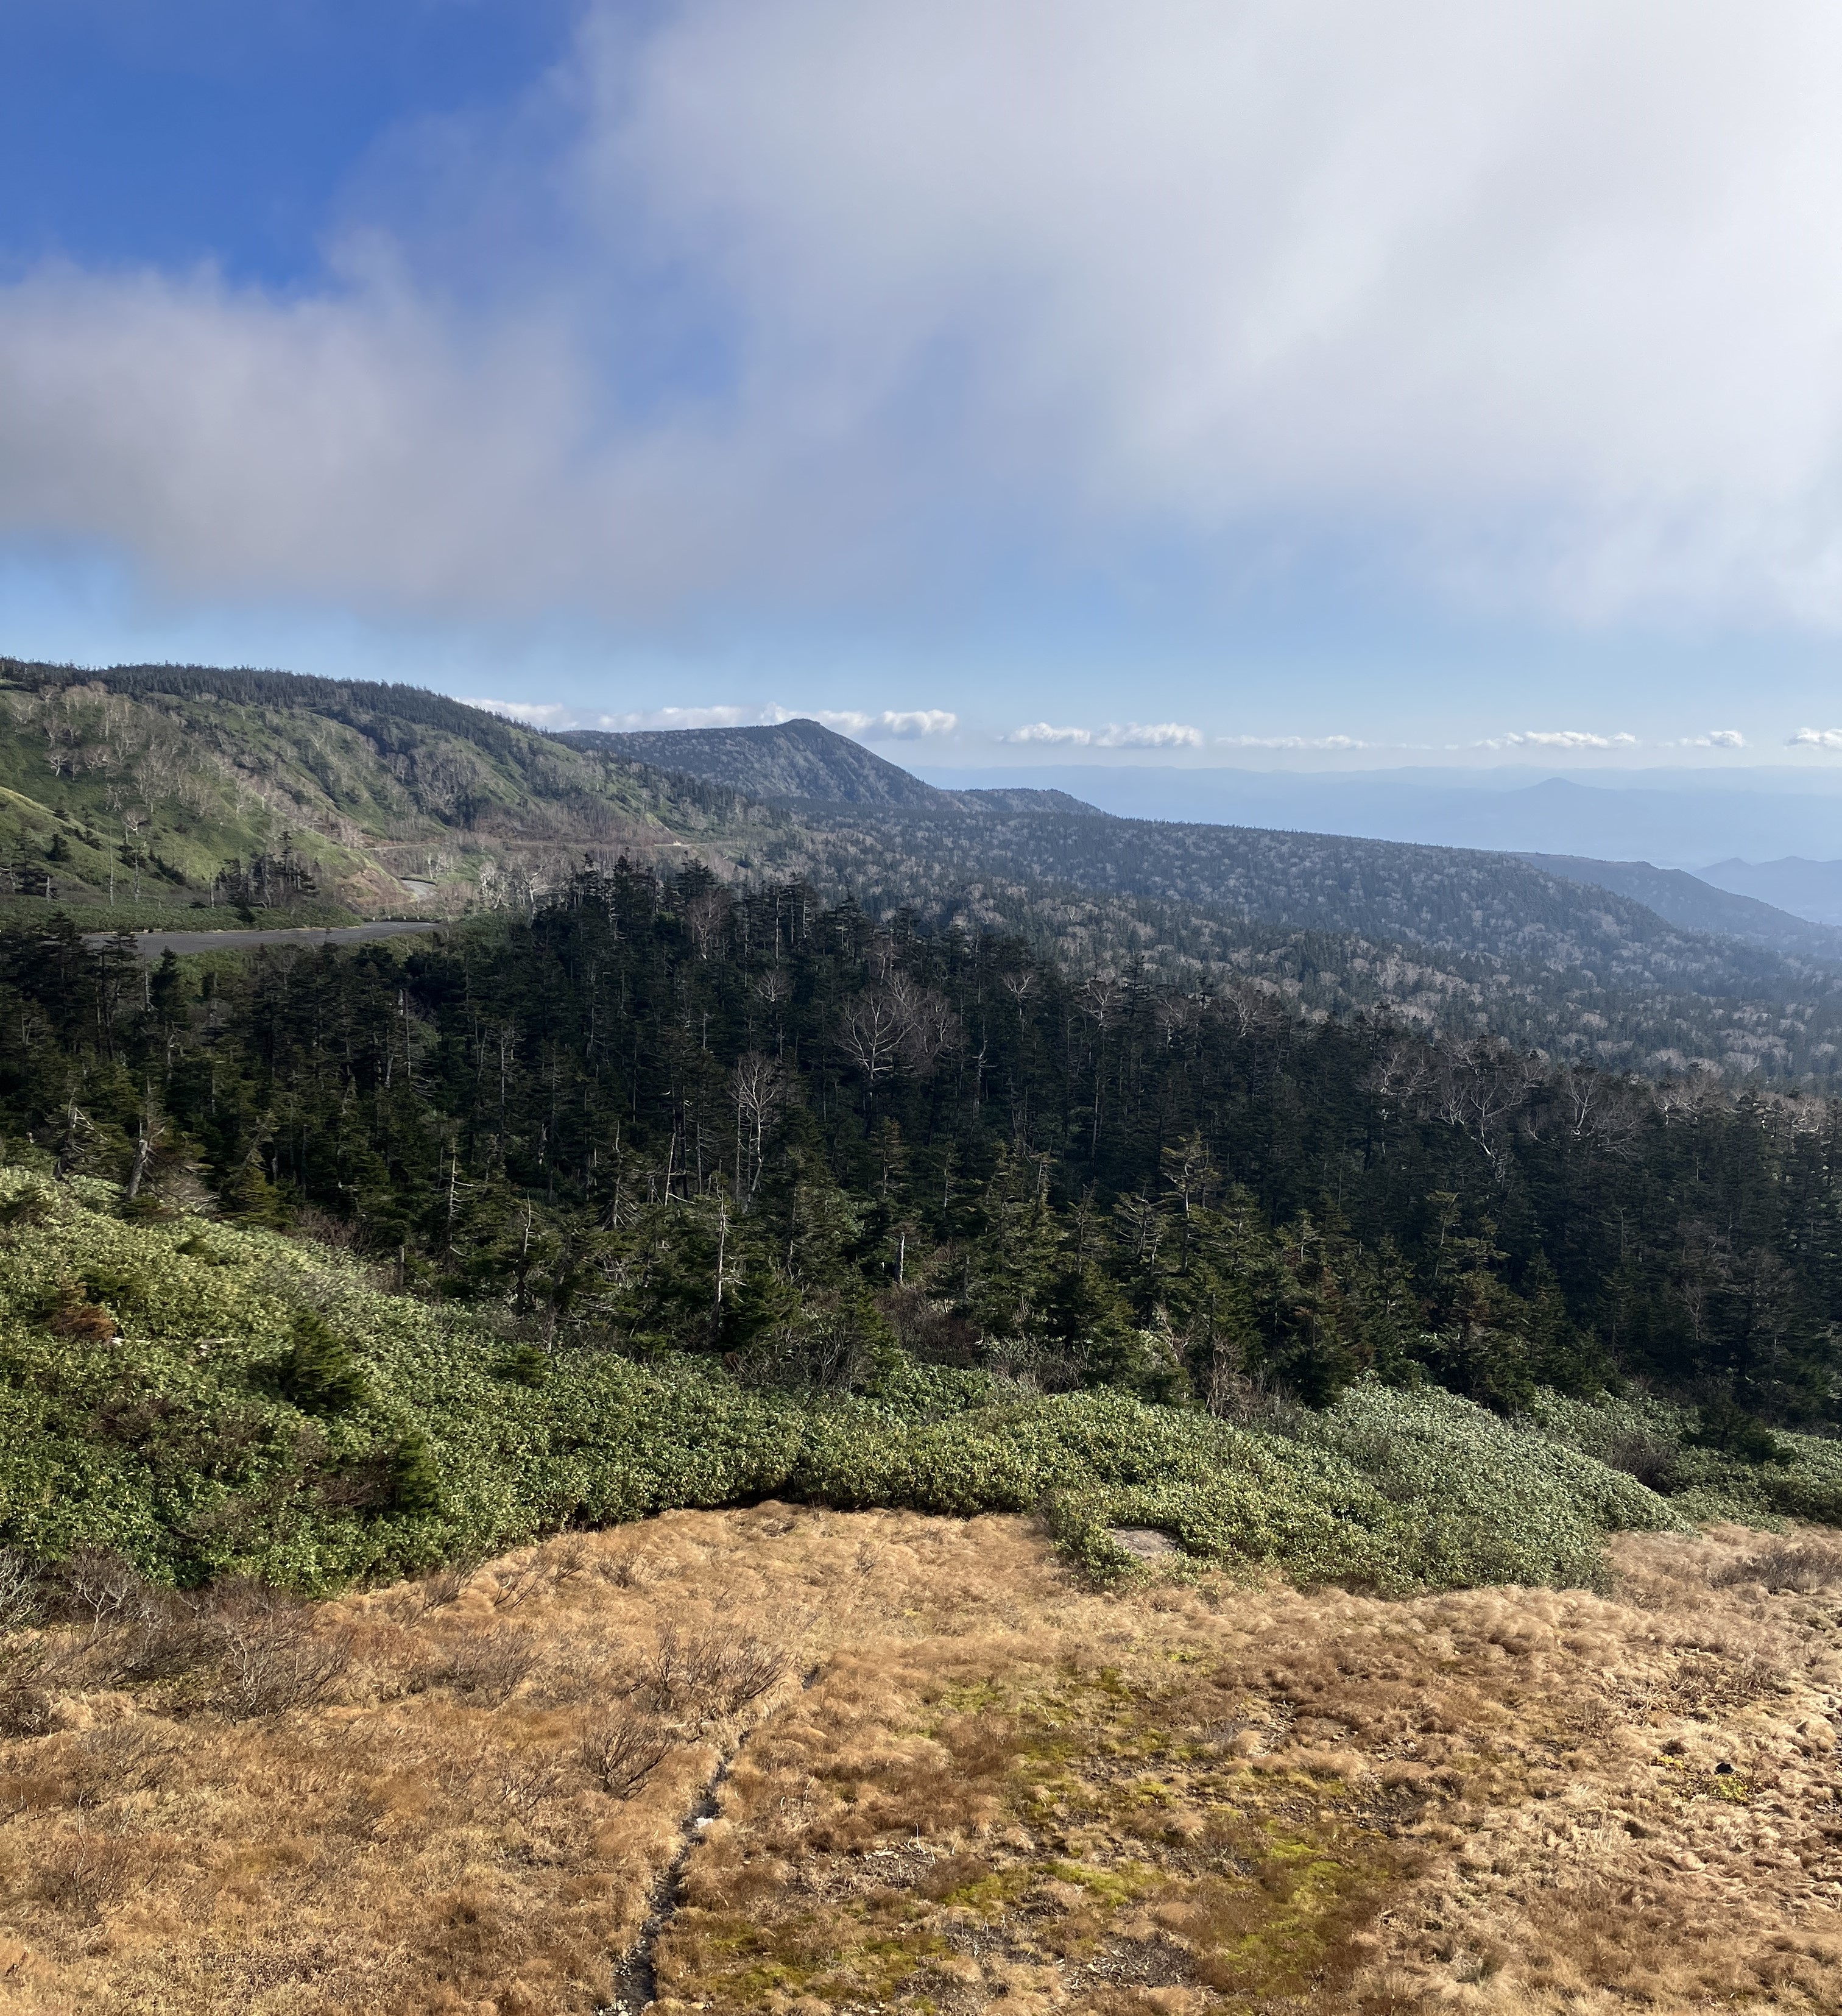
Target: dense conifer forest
665,1116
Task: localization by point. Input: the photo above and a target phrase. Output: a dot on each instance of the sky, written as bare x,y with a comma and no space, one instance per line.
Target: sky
1221,383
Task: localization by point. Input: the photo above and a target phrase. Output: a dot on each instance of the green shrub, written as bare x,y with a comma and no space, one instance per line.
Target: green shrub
1801,1478
317,1372
527,1365
267,1410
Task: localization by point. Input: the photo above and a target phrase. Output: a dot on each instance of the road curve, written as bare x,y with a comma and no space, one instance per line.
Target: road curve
150,945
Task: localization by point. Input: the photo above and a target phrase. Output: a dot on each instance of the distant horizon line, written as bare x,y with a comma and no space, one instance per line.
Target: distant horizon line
1544,770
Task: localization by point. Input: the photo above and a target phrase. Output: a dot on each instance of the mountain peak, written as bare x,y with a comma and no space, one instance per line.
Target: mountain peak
799,759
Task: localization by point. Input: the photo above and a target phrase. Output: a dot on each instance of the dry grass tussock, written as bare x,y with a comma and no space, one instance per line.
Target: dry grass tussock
958,1782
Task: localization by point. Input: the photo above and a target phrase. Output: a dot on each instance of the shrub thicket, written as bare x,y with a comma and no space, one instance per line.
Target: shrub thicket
1690,1453
265,1409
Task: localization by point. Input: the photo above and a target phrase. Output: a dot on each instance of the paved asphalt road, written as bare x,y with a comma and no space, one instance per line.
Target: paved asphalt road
151,944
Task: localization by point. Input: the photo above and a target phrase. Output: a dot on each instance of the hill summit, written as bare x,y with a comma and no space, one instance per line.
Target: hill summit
801,759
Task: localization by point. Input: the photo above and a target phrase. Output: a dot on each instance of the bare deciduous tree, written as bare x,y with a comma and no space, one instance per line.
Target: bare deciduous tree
758,1088
707,918
928,1025
870,1034
1599,1110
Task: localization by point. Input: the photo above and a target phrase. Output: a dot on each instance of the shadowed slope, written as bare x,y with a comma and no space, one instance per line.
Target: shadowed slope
797,759
1696,905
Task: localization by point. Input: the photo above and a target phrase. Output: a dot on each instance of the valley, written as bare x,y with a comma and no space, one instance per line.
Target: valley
794,1391
141,796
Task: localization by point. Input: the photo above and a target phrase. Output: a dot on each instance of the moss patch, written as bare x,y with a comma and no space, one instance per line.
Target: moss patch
1102,1836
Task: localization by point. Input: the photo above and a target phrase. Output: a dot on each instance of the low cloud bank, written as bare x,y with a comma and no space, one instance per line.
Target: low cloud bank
816,303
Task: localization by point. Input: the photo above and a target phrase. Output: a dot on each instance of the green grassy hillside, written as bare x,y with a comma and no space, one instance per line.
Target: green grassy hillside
159,788
206,1400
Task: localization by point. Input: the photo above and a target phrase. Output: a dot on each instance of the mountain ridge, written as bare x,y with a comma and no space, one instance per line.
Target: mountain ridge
1681,818
399,801
1695,904
1812,890
800,759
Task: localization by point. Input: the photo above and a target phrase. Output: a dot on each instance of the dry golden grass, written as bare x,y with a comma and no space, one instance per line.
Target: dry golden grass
957,1782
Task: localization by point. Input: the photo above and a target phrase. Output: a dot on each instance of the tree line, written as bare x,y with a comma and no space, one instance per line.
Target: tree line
665,1115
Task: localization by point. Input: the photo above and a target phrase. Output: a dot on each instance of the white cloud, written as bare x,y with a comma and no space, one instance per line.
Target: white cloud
1553,289
1816,738
1115,735
1290,742
912,726
891,725
1152,735
534,713
1559,738
1535,300
1041,731
1715,738
555,713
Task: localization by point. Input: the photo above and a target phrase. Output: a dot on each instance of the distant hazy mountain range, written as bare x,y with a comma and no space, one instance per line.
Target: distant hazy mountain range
1698,904
1810,889
1676,818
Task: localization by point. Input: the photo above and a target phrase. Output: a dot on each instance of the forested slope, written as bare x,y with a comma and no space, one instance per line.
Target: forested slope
1693,904
1456,938
1471,943
689,1121
1448,899
800,760
282,798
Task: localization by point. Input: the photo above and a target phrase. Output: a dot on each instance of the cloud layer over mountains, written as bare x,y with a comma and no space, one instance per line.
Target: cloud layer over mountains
814,302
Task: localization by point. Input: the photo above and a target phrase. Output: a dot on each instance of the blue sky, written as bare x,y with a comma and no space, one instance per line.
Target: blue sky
1222,383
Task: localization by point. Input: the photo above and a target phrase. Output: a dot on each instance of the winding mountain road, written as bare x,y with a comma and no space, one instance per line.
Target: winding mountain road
151,944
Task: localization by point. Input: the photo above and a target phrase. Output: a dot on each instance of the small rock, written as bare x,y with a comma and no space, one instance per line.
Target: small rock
1144,1543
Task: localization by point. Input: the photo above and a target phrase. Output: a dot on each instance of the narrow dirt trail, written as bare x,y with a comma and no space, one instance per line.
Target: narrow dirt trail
636,1980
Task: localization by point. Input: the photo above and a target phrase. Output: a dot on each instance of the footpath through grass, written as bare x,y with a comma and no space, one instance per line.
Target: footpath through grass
207,1401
